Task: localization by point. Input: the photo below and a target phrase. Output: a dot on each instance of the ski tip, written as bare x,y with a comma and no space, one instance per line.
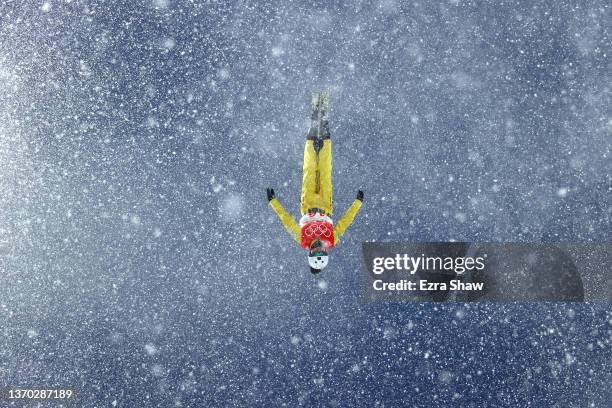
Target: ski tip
325,101
316,99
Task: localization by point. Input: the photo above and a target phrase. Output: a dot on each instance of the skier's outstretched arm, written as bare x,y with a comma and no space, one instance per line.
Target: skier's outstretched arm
286,219
349,216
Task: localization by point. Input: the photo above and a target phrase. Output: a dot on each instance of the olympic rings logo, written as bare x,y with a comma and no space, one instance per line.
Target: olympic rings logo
319,230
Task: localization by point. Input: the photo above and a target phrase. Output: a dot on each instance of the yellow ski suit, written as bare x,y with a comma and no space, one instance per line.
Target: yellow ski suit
316,192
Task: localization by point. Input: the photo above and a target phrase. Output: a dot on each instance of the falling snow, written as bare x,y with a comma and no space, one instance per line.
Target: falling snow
142,266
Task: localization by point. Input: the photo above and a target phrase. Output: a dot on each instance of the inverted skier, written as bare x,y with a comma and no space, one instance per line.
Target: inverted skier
316,231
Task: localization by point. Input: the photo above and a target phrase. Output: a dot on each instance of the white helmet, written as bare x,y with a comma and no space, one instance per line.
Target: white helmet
318,261
317,256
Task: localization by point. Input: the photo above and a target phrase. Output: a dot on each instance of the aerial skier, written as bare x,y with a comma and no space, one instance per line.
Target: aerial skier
316,231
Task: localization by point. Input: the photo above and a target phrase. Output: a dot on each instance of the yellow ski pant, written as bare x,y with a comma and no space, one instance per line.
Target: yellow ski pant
317,178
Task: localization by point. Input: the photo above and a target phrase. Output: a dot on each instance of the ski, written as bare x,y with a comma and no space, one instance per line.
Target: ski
323,119
313,132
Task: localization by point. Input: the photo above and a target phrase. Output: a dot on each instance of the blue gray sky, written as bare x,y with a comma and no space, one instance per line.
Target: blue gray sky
139,257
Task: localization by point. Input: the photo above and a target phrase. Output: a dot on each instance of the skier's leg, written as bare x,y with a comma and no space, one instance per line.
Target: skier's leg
325,176
309,178
325,156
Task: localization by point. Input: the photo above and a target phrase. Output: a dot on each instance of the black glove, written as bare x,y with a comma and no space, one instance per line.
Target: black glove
360,195
270,192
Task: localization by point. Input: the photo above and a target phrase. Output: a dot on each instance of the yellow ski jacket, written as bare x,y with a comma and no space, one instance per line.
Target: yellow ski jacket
293,227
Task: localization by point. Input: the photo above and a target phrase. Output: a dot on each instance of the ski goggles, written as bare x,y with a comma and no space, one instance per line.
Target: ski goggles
318,252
